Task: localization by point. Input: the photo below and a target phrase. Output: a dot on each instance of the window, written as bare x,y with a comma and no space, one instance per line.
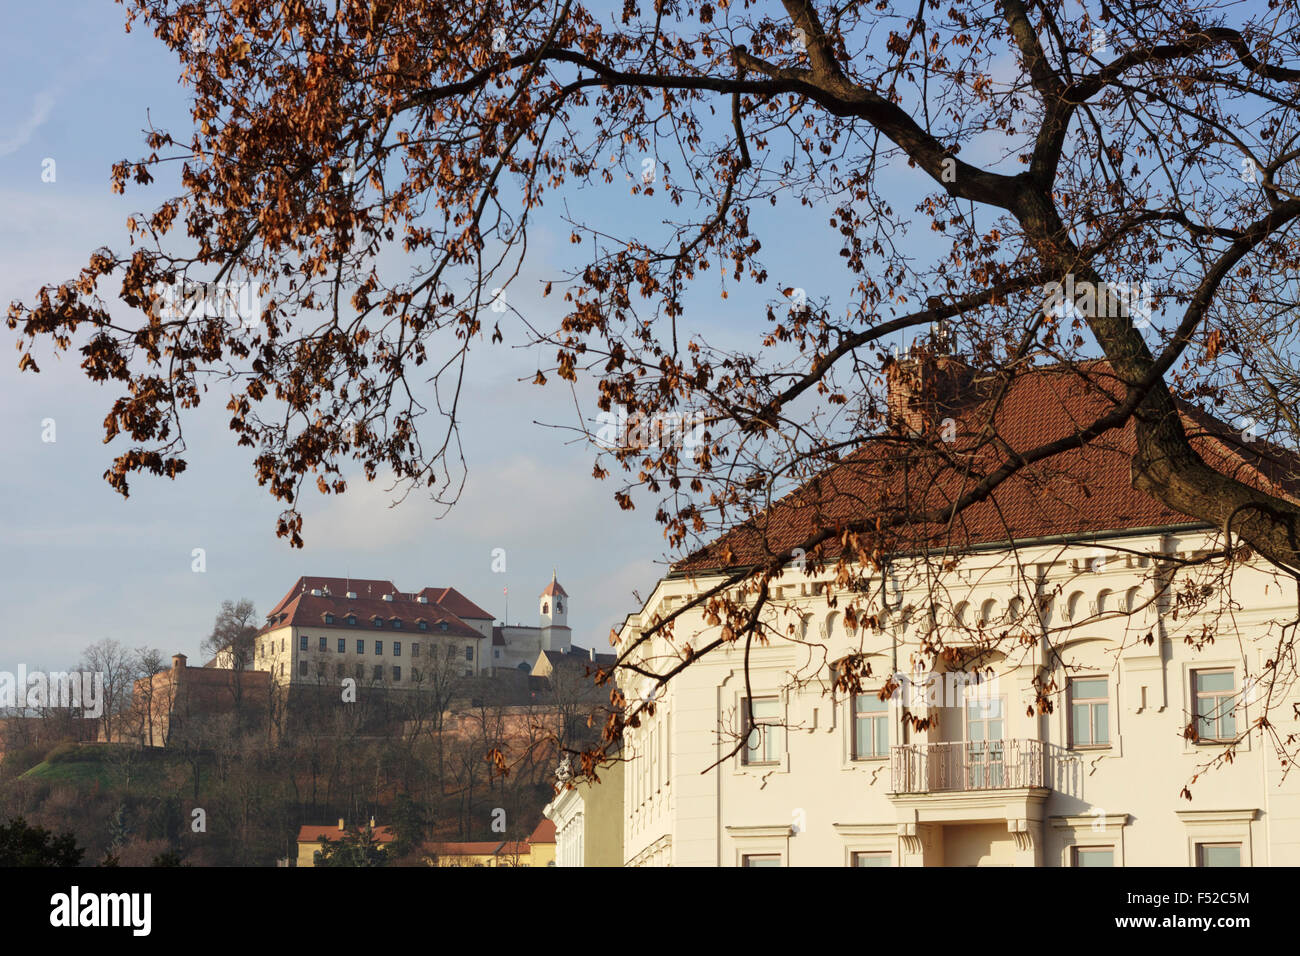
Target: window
761,859
343,644
302,668
1094,856
338,670
1212,709
379,672
302,643
983,759
361,671
870,727
1218,854
1089,712
397,623
320,668
424,625
379,648
397,674
496,652
281,645
323,645
397,648
379,621
469,653
415,674
351,619
872,859
329,618
415,650
361,647
763,737
442,625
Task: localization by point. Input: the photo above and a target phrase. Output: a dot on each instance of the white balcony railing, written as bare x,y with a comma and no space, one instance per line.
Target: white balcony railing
968,765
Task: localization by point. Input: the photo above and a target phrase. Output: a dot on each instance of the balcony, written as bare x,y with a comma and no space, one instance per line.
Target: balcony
965,766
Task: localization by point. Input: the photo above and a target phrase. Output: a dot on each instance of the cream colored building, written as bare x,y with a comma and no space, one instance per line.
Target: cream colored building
588,820
1115,625
327,629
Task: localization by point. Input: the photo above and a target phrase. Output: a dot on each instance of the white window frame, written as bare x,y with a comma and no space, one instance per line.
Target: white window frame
1090,831
1188,696
1219,826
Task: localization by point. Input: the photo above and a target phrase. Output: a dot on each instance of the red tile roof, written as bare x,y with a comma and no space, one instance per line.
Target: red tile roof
457,603
545,832
312,834
302,608
554,588
1080,492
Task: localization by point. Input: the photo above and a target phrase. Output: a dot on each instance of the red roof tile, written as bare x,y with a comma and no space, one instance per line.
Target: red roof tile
545,832
301,608
1079,492
457,603
312,834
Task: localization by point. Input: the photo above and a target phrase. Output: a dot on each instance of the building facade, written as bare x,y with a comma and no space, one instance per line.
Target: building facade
1085,680
327,629
588,820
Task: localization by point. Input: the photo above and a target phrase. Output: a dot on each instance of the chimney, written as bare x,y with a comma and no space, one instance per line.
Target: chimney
340,824
925,388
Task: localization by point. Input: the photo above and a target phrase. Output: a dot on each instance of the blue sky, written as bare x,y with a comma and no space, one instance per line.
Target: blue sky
80,563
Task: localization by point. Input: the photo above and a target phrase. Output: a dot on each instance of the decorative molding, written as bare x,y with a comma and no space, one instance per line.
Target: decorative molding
1216,817
761,832
1089,821
857,830
1022,833
910,834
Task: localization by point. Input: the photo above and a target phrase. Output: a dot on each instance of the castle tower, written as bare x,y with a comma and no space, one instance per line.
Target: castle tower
553,606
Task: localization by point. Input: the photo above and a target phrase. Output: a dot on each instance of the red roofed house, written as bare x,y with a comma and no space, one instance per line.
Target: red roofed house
309,838
326,629
1129,619
537,850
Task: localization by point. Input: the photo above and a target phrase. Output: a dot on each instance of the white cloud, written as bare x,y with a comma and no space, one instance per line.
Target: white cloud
42,105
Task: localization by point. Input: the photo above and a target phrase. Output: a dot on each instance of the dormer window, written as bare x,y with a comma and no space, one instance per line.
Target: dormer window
442,625
379,621
329,618
424,625
351,619
397,623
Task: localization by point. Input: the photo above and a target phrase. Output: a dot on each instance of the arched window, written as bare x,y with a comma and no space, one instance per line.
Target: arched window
559,606
1131,600
960,613
987,610
546,607
1074,605
1103,601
